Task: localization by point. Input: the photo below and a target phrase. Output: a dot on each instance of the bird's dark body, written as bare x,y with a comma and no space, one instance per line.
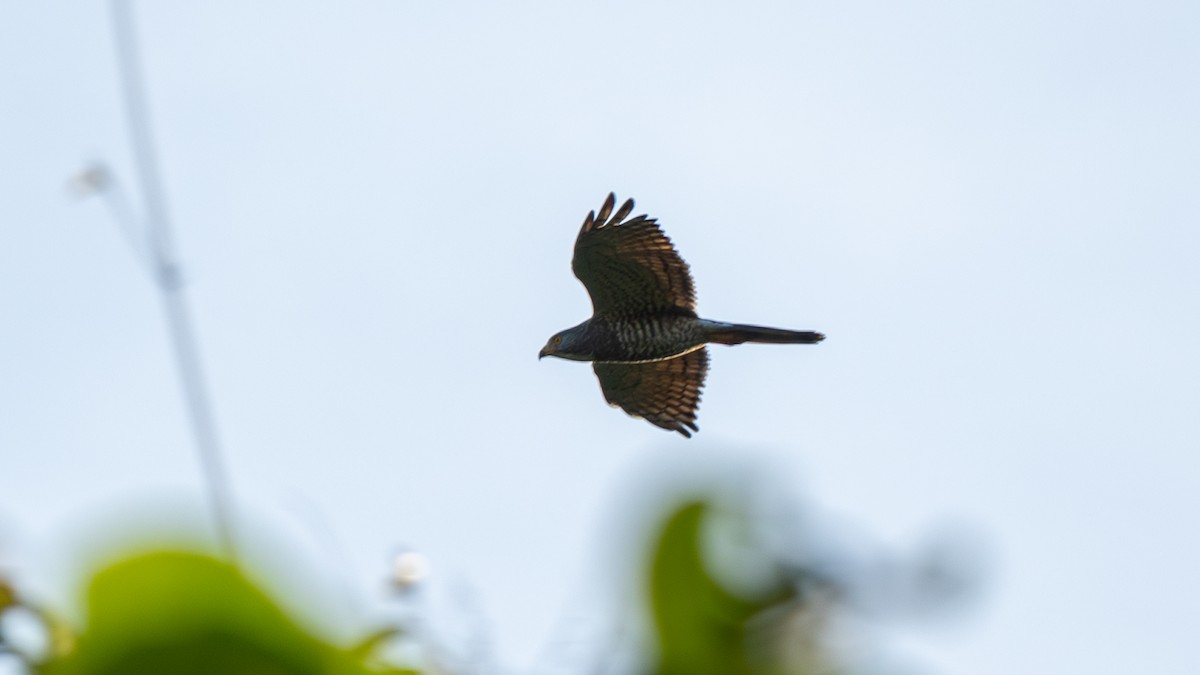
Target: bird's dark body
651,337
645,341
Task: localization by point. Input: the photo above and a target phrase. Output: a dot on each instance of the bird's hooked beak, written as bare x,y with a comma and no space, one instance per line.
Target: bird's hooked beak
542,353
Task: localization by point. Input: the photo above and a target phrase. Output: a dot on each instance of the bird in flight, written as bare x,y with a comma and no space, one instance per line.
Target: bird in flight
645,341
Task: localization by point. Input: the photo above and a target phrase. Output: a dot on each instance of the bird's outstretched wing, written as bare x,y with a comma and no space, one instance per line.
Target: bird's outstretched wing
664,393
630,267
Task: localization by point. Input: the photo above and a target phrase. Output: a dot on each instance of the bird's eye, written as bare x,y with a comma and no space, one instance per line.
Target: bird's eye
558,339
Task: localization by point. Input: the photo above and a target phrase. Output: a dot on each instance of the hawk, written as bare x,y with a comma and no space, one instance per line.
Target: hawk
645,341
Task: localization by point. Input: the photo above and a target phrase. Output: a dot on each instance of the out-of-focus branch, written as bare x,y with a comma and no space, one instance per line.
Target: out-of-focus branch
159,249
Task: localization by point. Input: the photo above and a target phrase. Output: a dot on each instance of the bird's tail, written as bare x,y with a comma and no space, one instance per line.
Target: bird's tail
737,333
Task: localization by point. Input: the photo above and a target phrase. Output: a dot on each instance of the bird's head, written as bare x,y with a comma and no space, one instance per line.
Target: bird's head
567,344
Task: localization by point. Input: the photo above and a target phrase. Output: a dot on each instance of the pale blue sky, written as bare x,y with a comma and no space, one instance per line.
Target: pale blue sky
990,208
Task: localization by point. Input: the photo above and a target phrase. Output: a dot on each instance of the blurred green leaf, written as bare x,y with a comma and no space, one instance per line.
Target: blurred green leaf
191,614
701,627
8,596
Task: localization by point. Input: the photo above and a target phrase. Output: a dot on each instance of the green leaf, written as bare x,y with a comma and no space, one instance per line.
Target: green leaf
190,614
701,627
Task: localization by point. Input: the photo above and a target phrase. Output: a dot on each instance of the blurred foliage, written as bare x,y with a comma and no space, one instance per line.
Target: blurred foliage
704,628
188,613
8,595
191,614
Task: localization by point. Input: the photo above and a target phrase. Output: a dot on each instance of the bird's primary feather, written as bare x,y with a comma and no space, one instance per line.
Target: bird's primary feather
630,267
664,393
